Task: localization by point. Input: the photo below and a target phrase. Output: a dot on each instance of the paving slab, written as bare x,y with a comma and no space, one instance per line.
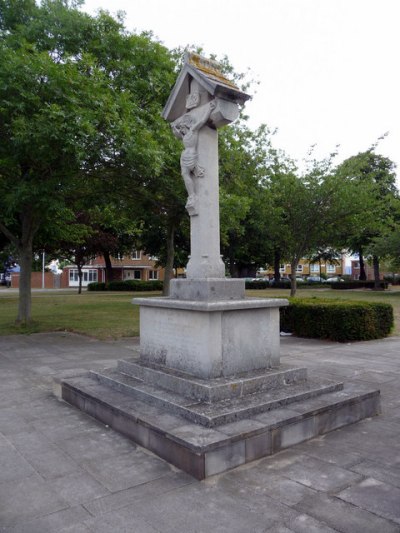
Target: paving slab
64,472
376,496
343,516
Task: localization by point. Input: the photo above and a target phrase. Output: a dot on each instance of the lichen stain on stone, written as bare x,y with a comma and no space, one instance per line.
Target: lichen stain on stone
210,68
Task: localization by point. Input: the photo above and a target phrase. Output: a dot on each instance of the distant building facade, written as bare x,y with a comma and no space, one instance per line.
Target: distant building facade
136,265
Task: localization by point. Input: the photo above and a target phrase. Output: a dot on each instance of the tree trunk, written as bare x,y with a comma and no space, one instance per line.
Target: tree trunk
79,277
277,265
233,269
109,269
169,263
25,296
25,249
363,275
375,262
293,281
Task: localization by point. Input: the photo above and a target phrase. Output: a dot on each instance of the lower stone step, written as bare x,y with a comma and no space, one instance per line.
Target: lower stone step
203,451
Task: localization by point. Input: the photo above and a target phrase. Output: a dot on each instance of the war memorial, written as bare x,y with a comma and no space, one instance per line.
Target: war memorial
207,391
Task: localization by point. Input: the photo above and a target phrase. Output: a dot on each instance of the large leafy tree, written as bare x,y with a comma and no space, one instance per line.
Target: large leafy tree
313,209
79,106
375,179
246,157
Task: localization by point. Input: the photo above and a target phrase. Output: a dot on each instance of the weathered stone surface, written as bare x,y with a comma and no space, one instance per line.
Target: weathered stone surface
212,390
207,289
198,450
343,516
252,497
222,412
210,339
381,498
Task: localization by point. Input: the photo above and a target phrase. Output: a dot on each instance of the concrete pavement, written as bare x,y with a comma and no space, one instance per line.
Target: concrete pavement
62,471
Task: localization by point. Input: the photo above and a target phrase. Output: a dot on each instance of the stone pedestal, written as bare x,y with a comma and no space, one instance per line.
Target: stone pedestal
210,339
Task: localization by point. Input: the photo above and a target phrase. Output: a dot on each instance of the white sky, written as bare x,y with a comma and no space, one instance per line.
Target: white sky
328,69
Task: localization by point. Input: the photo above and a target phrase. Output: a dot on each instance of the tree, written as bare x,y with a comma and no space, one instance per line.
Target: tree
79,102
375,179
246,157
313,210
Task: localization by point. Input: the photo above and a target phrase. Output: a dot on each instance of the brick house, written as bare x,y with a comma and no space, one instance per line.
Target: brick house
137,265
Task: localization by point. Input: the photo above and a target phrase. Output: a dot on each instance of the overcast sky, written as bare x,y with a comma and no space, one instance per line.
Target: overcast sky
328,69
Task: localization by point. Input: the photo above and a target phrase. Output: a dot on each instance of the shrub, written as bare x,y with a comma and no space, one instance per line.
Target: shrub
94,286
337,321
135,285
394,279
357,284
129,285
259,284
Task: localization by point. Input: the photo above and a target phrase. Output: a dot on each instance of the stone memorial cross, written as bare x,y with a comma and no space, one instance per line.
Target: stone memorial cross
202,100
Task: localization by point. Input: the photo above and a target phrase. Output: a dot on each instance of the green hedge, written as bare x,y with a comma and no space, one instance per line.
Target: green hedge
262,284
337,321
128,285
357,284
94,286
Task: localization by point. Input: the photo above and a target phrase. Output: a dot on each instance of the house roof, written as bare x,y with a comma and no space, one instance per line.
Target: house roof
209,75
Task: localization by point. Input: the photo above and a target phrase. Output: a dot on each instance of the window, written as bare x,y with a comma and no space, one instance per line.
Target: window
137,274
136,254
356,265
331,269
282,268
88,276
314,268
153,274
73,275
299,269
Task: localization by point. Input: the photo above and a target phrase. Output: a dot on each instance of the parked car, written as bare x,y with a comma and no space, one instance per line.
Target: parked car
300,280
283,280
5,278
334,279
315,279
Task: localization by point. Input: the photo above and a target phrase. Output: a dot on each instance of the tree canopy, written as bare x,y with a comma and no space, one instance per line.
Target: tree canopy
80,102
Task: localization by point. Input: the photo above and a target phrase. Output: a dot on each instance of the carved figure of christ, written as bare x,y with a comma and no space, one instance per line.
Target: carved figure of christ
187,129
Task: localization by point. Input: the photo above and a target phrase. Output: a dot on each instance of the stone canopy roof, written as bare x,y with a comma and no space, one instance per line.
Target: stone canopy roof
209,75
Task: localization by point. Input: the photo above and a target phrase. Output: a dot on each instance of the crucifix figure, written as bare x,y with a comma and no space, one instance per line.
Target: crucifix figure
187,129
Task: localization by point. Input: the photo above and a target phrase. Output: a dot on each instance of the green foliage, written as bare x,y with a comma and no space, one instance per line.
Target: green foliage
96,286
80,103
258,285
357,284
246,156
337,320
128,285
311,210
374,225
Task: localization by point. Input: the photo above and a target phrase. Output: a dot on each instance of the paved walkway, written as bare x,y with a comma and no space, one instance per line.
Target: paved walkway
61,471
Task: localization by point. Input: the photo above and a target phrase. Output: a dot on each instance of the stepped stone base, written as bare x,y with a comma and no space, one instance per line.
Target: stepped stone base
205,427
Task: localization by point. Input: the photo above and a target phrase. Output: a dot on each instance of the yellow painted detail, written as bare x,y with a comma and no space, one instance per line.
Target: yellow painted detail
211,68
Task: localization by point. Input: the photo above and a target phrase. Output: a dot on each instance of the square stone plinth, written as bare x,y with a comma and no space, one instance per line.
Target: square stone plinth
210,339
207,290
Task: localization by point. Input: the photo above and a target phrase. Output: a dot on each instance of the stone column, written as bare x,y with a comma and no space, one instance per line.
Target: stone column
205,255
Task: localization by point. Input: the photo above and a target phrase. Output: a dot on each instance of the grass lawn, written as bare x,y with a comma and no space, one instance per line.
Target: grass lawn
104,315
108,315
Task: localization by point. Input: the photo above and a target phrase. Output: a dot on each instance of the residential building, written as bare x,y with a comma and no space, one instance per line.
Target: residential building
136,265
305,268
